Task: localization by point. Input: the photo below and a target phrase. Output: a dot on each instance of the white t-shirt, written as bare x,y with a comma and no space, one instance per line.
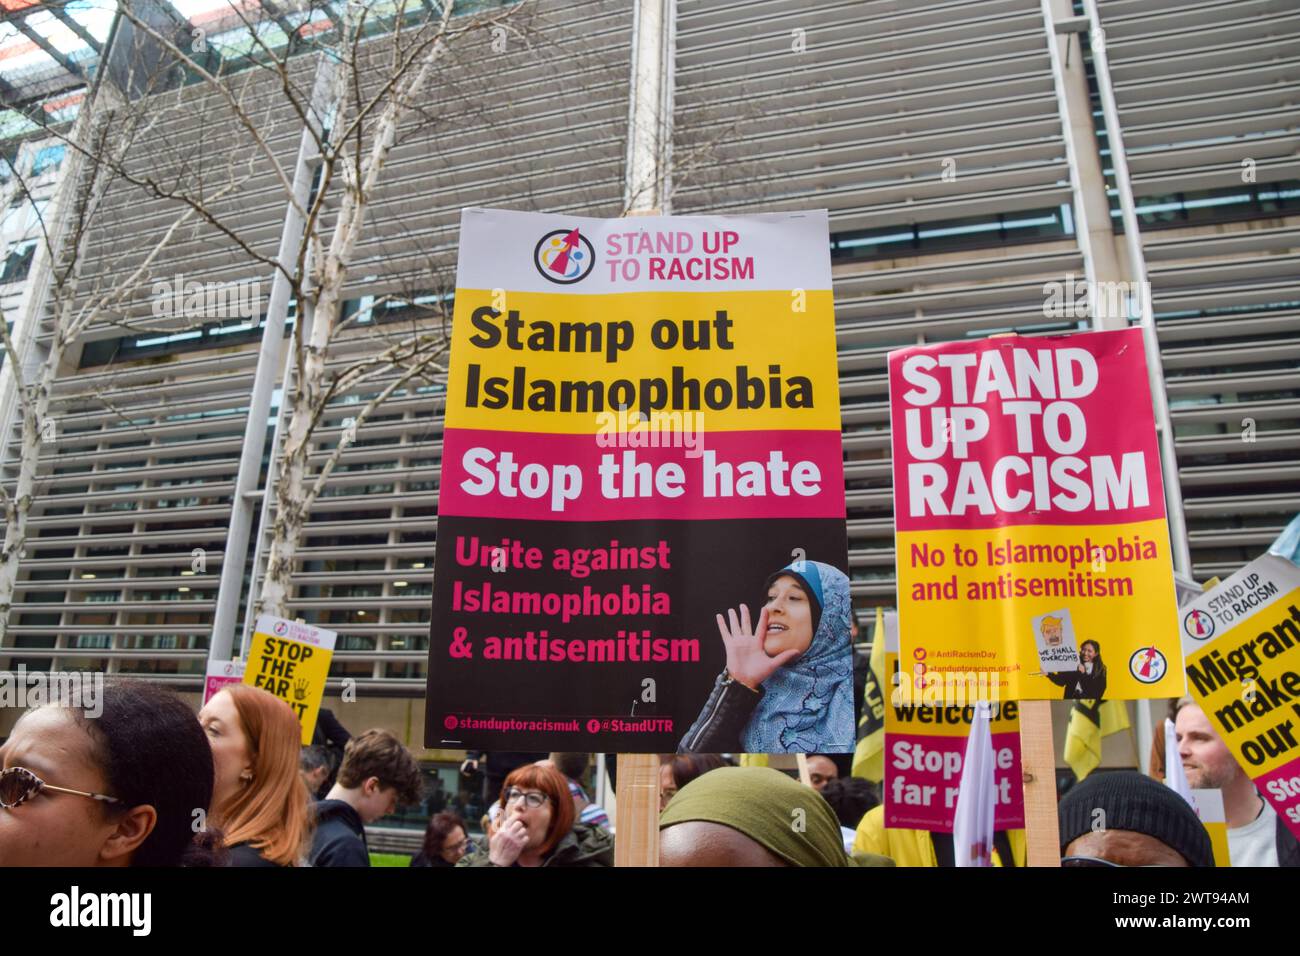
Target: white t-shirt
848,836
1255,844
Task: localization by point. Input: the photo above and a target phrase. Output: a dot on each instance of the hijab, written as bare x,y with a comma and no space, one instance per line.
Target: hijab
761,803
807,705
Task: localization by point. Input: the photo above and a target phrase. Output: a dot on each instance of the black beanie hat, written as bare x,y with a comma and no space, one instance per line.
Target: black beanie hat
1132,801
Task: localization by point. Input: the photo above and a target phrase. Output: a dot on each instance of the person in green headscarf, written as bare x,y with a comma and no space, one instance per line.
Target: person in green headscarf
751,816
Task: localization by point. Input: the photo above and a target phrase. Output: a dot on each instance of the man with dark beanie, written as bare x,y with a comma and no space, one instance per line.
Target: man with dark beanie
1128,819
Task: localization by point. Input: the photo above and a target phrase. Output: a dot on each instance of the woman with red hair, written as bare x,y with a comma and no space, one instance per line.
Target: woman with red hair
259,799
537,828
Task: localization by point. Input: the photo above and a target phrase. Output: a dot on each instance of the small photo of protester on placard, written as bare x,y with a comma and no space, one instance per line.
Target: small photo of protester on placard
1088,681
788,682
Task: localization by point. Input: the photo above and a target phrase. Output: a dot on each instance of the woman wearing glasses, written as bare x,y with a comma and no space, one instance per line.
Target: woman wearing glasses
445,841
120,787
537,828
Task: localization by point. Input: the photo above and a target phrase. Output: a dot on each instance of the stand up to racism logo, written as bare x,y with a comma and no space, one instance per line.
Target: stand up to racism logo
564,256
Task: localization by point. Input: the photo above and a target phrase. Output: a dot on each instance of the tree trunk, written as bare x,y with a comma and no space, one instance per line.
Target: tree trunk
290,493
292,497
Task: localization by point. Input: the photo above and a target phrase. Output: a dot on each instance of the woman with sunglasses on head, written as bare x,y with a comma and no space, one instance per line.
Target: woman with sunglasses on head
537,828
121,787
259,801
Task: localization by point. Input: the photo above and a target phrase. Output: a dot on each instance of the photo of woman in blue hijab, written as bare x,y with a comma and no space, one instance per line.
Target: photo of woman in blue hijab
788,683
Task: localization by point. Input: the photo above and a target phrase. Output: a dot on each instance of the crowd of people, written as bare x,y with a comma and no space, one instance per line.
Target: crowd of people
147,784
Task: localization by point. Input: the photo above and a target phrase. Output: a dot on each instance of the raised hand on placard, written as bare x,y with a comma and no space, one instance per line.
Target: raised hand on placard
747,662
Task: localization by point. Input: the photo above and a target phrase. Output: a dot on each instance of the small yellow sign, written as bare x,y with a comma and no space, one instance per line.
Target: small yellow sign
291,661
1208,805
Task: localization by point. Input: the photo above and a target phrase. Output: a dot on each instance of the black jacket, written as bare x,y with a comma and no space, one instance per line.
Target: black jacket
420,860
1288,847
244,854
500,763
722,721
329,732
582,846
1094,684
340,838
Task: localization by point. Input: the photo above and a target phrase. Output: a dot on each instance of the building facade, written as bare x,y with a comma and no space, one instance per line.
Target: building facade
962,150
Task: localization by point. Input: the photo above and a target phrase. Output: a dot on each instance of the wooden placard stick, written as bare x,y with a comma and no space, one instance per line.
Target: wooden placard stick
805,777
1038,766
636,819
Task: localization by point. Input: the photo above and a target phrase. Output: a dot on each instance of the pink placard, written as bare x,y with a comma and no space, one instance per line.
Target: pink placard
923,775
220,674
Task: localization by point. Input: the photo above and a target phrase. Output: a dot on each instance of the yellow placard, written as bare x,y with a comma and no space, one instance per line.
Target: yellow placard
1243,662
1219,841
1030,526
1242,653
1012,577
933,708
1208,804
524,360
291,661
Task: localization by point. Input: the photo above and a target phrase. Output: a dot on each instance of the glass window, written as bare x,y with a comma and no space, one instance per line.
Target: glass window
974,232
47,159
18,262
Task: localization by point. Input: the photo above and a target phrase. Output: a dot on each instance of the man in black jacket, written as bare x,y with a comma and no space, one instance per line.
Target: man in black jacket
376,775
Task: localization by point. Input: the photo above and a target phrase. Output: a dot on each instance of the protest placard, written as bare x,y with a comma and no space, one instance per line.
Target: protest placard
1029,516
1241,641
1208,805
642,428
219,674
1058,651
925,747
291,660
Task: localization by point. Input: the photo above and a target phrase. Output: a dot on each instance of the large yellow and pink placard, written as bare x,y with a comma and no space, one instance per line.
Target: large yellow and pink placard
1032,544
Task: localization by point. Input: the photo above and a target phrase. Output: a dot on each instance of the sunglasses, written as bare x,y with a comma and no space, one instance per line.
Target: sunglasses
18,785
